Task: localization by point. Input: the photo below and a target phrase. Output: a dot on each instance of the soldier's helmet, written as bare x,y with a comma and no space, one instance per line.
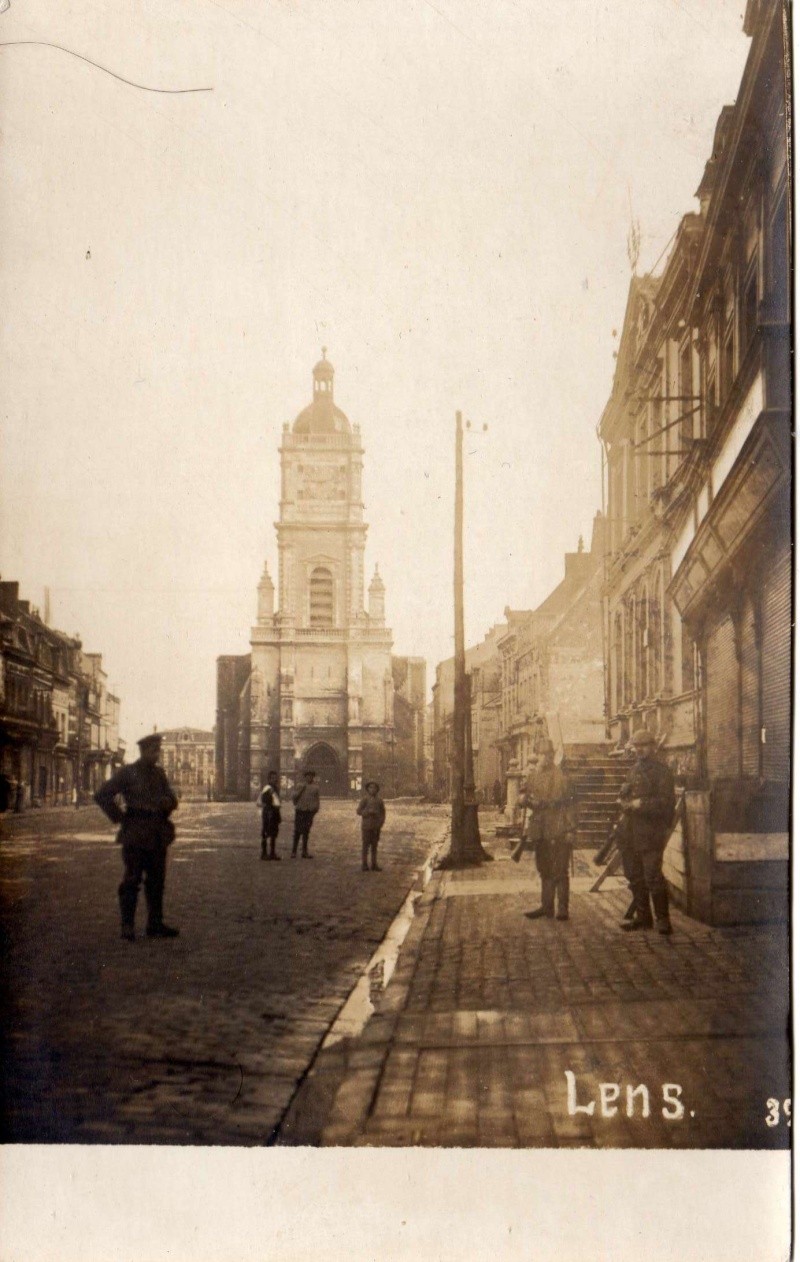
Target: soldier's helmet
151,741
370,783
642,739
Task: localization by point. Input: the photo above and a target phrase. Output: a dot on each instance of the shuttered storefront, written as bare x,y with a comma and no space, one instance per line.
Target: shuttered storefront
722,701
751,693
776,668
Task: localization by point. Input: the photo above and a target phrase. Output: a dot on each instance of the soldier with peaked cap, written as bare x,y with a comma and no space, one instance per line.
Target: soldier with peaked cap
549,795
145,833
373,816
647,799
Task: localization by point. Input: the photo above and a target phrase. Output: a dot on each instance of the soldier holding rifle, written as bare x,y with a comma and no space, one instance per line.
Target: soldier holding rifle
648,804
549,796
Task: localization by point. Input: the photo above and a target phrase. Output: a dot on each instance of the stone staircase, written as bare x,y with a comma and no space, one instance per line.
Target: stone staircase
598,778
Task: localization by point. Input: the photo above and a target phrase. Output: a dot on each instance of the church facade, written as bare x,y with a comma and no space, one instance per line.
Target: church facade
317,690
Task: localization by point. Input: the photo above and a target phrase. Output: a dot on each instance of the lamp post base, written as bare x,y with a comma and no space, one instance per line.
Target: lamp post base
465,850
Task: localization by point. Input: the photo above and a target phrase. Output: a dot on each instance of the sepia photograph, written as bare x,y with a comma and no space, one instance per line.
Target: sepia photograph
396,629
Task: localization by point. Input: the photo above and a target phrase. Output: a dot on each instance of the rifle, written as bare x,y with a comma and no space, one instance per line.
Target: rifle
610,844
522,844
604,858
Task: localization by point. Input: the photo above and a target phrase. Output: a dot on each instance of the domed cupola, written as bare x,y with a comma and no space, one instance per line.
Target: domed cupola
322,416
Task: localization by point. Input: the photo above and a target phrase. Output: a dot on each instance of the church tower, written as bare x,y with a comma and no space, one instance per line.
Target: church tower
320,662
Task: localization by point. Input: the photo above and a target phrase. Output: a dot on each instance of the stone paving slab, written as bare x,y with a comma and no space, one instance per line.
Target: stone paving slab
487,1011
203,1039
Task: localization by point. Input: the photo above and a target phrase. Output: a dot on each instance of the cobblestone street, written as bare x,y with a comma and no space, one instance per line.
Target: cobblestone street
486,1011
200,1040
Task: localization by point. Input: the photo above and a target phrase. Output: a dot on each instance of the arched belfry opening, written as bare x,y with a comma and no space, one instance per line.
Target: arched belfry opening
320,597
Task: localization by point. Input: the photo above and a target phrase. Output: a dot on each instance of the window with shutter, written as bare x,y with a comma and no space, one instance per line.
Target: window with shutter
751,686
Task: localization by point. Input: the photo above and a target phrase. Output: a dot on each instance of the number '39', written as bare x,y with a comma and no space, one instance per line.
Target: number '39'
773,1117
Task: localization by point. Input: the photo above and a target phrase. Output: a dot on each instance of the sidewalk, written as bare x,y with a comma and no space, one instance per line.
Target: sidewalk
486,1012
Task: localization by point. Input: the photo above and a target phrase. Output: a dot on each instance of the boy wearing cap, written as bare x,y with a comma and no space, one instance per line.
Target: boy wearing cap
145,833
647,799
306,805
373,816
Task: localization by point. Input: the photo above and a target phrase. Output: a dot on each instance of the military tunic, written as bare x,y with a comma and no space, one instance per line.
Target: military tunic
145,833
644,834
550,796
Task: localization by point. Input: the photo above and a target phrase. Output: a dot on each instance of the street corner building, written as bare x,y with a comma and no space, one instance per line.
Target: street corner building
320,688
696,441
59,722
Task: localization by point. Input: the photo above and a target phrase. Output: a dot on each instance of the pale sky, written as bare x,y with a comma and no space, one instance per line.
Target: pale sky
439,193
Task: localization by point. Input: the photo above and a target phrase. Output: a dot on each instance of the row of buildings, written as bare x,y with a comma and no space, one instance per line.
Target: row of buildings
679,616
59,723
539,672
320,688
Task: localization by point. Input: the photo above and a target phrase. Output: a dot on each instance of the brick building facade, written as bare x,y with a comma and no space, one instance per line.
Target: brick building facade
188,757
697,436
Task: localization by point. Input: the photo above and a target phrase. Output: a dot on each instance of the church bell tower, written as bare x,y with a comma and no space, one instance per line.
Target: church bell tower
320,661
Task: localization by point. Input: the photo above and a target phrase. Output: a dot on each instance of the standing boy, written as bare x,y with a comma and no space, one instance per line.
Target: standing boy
373,816
306,805
269,799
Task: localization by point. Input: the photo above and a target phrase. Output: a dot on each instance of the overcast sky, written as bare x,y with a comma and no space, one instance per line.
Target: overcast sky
439,193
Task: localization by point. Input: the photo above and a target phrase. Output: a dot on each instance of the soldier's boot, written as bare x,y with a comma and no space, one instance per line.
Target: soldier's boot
127,907
263,847
364,856
272,852
156,928
641,918
547,908
563,902
661,909
373,850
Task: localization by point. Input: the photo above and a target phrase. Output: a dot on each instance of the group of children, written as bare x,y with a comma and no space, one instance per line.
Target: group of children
306,801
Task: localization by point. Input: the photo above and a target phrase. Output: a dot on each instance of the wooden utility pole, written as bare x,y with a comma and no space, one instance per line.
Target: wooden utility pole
465,842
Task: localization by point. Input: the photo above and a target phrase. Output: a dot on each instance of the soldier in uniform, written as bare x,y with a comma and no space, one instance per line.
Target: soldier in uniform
306,805
373,816
647,799
145,833
550,797
269,799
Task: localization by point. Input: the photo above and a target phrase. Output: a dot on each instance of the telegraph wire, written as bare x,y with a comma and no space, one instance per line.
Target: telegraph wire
143,87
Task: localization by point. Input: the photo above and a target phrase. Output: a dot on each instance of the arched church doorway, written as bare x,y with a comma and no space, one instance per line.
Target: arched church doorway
330,777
